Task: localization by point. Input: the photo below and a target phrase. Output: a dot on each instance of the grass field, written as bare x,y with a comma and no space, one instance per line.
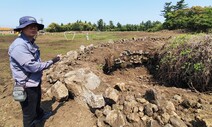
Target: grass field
52,44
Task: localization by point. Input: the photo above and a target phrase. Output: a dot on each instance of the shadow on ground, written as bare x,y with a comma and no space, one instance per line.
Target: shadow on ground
47,106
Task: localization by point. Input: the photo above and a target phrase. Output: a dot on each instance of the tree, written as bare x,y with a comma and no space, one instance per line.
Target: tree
111,25
54,27
171,14
200,18
119,26
148,25
100,25
167,9
156,26
180,5
196,18
77,26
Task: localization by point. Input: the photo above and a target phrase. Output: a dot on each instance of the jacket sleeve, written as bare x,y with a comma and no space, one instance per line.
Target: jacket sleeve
25,58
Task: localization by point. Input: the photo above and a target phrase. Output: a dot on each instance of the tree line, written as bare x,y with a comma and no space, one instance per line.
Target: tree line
177,16
102,26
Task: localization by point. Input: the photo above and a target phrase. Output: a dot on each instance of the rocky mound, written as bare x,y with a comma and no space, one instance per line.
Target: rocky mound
129,96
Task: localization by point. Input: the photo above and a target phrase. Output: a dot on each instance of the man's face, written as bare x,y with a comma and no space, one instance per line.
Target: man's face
31,30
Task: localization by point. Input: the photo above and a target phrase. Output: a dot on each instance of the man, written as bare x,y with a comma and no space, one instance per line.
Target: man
27,67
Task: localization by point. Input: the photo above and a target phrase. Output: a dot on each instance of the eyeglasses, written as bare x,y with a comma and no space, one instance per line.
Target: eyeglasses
32,26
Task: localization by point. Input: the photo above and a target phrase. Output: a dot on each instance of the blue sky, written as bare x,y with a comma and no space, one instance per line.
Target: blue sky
69,11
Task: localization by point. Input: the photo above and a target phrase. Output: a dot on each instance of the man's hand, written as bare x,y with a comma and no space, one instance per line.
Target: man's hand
56,59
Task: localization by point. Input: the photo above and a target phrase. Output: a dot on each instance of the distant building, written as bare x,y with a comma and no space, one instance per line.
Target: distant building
4,30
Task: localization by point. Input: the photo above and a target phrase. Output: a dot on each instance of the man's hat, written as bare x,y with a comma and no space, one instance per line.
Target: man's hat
27,20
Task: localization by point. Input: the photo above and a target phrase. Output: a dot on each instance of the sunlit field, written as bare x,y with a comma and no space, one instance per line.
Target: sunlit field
52,44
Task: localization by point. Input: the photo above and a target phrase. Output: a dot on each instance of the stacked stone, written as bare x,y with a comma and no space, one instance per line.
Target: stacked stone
130,59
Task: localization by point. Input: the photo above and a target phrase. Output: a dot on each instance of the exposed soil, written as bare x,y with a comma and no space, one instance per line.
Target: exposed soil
72,114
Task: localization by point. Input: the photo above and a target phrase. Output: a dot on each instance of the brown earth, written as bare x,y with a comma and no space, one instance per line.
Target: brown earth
72,114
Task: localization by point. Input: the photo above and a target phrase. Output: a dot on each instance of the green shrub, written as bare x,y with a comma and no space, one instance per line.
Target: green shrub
186,61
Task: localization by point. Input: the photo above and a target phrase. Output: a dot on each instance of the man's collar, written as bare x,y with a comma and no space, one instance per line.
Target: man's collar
26,38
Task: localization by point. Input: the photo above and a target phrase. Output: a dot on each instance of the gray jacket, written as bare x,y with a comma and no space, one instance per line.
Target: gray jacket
25,62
